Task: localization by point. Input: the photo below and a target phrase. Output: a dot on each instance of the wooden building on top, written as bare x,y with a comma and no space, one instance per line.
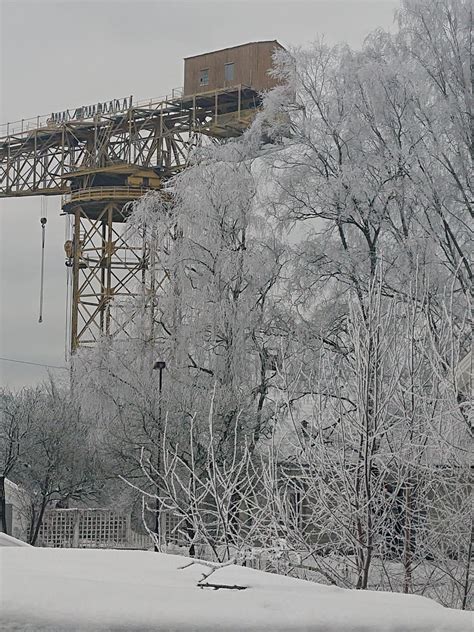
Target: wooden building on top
246,65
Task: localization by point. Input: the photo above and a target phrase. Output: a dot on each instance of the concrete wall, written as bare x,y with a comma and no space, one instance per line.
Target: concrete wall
17,510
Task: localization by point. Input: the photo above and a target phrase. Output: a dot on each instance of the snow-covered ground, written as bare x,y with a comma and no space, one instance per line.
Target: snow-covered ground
78,589
8,540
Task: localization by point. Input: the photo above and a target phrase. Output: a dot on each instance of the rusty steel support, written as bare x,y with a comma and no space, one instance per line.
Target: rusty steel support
107,273
100,161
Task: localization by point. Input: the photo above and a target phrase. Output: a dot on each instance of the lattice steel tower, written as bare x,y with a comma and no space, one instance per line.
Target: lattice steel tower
99,159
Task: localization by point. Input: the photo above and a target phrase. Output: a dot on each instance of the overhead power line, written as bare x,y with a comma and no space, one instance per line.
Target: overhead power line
48,366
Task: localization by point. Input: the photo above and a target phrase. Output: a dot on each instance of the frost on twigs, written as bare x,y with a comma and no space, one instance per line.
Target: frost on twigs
213,567
308,285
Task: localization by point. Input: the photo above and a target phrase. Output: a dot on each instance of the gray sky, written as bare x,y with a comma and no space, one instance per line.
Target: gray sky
62,54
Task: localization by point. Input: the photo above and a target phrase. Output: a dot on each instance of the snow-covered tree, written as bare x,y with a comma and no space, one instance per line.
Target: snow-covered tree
49,450
16,423
312,280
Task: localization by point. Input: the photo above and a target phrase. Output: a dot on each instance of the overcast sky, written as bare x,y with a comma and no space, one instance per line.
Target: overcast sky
62,54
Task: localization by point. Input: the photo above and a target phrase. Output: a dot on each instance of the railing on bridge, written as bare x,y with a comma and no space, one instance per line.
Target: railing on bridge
117,106
83,113
104,193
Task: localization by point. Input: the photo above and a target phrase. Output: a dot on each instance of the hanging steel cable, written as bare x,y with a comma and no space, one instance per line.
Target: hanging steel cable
67,325
43,220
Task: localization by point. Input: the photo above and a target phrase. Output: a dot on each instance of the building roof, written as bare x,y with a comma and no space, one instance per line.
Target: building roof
11,484
238,46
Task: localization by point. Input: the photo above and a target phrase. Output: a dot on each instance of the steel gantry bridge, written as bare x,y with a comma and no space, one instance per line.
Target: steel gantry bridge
100,158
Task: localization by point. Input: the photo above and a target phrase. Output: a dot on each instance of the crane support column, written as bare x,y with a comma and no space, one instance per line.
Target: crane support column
100,158
107,263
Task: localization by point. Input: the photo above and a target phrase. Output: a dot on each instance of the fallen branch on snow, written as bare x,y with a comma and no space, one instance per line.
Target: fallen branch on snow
214,566
218,586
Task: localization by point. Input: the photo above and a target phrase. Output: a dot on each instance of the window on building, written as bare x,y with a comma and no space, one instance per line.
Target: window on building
204,77
229,72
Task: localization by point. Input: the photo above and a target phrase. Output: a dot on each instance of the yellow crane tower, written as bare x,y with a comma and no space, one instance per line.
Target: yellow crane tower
101,157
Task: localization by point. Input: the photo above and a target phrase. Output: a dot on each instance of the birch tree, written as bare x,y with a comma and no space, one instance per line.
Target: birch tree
16,423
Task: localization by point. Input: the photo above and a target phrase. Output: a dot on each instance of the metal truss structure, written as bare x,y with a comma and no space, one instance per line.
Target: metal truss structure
100,158
38,155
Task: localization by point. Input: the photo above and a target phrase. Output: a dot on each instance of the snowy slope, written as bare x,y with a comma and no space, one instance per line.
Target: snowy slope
8,540
73,589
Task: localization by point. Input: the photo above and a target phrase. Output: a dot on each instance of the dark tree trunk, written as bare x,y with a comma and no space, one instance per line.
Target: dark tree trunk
234,516
467,579
408,546
191,535
36,527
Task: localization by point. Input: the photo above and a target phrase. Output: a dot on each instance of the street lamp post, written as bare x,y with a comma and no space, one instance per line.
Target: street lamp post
158,365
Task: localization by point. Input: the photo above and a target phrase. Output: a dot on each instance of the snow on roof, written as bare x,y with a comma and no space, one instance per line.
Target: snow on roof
11,484
68,589
219,50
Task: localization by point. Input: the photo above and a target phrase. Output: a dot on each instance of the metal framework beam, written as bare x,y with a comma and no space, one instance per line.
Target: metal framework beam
39,161
110,270
90,157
